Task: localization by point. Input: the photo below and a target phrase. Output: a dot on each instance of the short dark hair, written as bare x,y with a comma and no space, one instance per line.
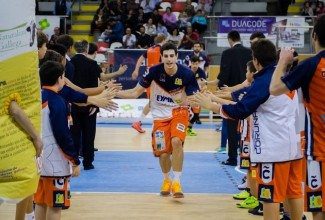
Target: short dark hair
195,59
60,48
51,55
251,66
41,39
50,72
264,51
81,46
197,42
168,46
234,36
258,35
65,40
92,48
319,30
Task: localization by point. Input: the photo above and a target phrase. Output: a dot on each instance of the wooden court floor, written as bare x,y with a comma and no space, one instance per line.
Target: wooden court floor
147,206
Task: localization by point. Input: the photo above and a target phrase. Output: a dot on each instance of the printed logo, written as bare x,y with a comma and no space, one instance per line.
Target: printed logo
225,23
315,202
44,24
244,163
58,198
165,100
266,172
245,149
314,175
254,173
178,81
160,140
256,134
126,107
323,72
59,183
180,127
265,193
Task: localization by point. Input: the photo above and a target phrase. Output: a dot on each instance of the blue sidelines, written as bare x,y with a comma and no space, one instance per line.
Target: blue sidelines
139,172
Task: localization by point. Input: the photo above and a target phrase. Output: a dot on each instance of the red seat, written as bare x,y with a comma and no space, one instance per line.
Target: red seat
178,6
101,46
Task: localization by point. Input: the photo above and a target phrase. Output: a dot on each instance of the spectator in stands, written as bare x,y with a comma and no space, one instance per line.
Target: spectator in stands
189,8
183,22
205,6
144,40
60,7
106,8
169,19
150,28
129,39
98,22
55,35
132,5
140,17
199,22
189,39
161,29
114,31
148,7
118,8
156,17
307,9
320,9
176,37
130,20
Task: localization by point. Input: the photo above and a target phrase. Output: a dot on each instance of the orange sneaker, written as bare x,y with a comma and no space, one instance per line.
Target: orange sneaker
165,187
177,190
137,126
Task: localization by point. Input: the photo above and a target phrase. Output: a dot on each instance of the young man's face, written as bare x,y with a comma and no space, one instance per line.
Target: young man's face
195,66
41,51
197,48
249,75
169,58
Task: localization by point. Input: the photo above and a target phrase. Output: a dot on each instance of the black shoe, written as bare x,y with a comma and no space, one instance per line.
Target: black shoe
198,122
229,163
257,210
89,167
95,149
287,218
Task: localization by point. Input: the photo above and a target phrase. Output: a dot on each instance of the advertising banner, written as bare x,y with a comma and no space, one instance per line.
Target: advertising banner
272,27
19,82
47,23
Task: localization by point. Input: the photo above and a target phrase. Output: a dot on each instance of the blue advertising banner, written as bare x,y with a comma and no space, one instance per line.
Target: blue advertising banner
130,57
246,25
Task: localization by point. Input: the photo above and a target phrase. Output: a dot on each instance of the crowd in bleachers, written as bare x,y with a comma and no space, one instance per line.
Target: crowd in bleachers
313,8
135,24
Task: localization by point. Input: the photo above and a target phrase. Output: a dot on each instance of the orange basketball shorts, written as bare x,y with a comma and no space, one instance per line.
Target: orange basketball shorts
164,130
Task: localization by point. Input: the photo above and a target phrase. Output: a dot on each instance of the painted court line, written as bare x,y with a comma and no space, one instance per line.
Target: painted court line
145,193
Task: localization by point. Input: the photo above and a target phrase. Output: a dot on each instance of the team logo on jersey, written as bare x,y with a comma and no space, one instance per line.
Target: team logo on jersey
323,72
256,134
253,173
314,174
266,173
59,183
178,82
265,193
314,201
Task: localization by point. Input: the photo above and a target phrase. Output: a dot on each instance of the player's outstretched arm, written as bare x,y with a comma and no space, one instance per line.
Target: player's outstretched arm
131,93
21,118
119,72
135,73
